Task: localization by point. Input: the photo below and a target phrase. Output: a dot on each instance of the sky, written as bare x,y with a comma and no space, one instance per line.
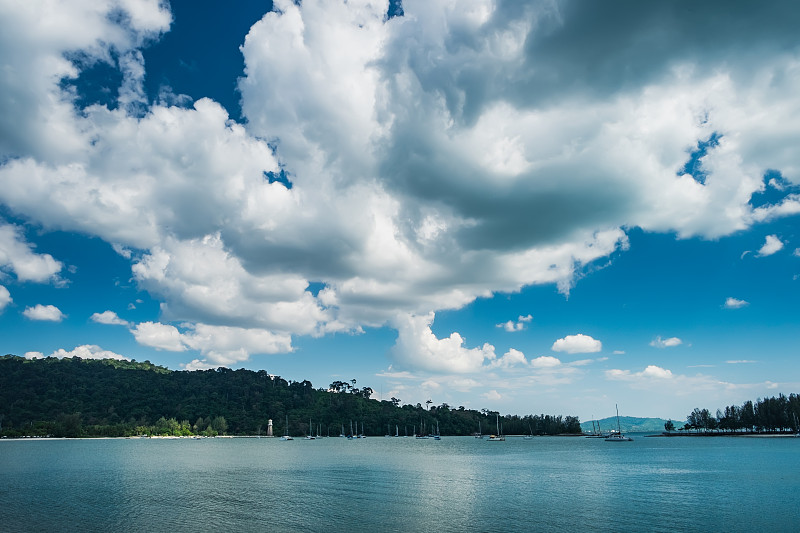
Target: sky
524,206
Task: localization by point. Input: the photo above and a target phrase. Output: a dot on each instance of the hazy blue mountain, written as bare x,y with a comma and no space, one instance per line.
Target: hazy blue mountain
629,424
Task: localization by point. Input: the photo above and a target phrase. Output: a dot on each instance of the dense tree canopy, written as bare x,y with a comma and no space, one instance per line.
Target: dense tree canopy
75,397
767,414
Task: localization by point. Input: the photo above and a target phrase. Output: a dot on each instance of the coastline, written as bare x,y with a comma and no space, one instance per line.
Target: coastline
748,435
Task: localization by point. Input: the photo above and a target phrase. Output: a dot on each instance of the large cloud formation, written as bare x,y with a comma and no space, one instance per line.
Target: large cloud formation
462,149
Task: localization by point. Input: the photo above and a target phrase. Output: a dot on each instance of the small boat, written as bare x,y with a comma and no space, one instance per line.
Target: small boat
437,436
310,435
480,432
499,436
286,436
618,436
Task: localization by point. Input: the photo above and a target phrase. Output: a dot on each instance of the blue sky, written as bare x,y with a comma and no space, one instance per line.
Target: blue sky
511,205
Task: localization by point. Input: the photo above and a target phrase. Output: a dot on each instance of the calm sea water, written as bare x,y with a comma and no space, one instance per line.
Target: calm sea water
401,484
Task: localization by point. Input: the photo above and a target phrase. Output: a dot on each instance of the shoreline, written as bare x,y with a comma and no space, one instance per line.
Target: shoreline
747,435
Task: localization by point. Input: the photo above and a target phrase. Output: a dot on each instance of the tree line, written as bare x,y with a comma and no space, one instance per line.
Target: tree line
776,414
72,397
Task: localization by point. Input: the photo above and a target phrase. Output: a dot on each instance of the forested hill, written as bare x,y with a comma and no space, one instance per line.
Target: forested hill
75,397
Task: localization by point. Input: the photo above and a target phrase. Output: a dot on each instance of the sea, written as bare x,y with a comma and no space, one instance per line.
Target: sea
397,484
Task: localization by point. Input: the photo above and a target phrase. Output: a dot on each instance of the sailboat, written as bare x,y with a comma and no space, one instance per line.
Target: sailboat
618,436
310,435
286,436
480,432
597,433
529,436
437,436
498,437
421,434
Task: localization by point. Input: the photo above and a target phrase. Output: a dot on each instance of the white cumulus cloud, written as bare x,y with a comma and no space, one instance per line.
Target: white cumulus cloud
159,336
110,318
735,303
772,245
18,256
418,347
226,345
5,298
650,372
220,345
197,364
88,351
48,313
485,135
545,361
579,343
511,358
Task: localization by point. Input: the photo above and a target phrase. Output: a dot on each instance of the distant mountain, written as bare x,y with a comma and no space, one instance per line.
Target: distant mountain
629,424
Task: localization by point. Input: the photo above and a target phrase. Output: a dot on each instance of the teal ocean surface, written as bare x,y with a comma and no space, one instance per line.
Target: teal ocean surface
401,484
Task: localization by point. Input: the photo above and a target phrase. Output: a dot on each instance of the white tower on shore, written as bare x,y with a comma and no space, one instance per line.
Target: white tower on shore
269,428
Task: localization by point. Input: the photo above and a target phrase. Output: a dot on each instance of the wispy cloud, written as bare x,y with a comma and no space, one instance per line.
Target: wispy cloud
658,342
492,395
519,325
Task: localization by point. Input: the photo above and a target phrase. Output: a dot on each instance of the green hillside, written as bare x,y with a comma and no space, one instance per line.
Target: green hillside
81,398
